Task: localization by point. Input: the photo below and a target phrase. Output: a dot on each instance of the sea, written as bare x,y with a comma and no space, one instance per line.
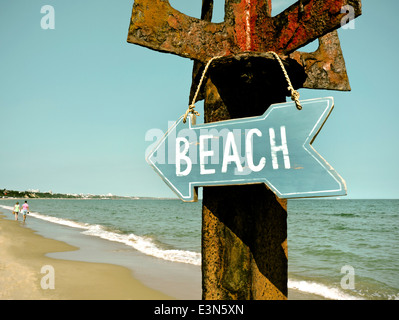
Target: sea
341,249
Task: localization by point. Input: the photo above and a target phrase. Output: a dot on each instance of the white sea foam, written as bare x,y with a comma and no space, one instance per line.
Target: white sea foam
143,244
321,290
6,207
147,246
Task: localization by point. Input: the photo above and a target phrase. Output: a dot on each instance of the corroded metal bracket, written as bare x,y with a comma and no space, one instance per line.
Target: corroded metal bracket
248,26
325,68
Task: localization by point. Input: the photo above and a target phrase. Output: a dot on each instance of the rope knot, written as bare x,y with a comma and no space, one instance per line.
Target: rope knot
295,97
192,105
191,109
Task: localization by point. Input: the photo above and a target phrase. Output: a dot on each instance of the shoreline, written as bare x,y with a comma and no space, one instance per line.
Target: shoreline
115,274
23,255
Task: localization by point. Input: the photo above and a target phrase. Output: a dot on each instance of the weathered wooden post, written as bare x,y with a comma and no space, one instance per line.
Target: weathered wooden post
244,231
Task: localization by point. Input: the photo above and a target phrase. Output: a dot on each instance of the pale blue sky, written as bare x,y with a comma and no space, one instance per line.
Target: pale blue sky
77,101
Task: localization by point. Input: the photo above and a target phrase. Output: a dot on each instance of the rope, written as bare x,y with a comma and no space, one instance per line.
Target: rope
294,94
191,107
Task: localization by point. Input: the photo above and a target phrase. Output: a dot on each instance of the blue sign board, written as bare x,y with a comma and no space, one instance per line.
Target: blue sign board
275,149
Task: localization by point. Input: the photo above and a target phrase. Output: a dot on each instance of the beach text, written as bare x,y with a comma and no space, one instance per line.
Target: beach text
187,148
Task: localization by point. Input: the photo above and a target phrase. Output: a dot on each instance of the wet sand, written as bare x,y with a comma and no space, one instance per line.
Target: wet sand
86,272
23,259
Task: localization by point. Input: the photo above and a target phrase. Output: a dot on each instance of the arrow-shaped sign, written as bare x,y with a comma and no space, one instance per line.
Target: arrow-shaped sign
275,149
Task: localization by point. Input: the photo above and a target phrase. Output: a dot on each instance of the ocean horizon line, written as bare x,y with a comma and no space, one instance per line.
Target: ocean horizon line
36,194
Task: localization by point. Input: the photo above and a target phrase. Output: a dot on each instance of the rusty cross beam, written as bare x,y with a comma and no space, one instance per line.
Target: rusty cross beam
248,26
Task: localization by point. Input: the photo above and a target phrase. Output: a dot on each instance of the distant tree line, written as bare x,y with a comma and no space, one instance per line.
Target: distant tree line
4,193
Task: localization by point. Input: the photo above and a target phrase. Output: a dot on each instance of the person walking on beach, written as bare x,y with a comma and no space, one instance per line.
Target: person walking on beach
16,210
25,209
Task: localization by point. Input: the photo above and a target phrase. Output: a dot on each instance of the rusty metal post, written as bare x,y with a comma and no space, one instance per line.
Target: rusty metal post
244,228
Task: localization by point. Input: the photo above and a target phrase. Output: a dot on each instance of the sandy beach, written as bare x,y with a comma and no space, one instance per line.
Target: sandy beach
22,257
24,252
